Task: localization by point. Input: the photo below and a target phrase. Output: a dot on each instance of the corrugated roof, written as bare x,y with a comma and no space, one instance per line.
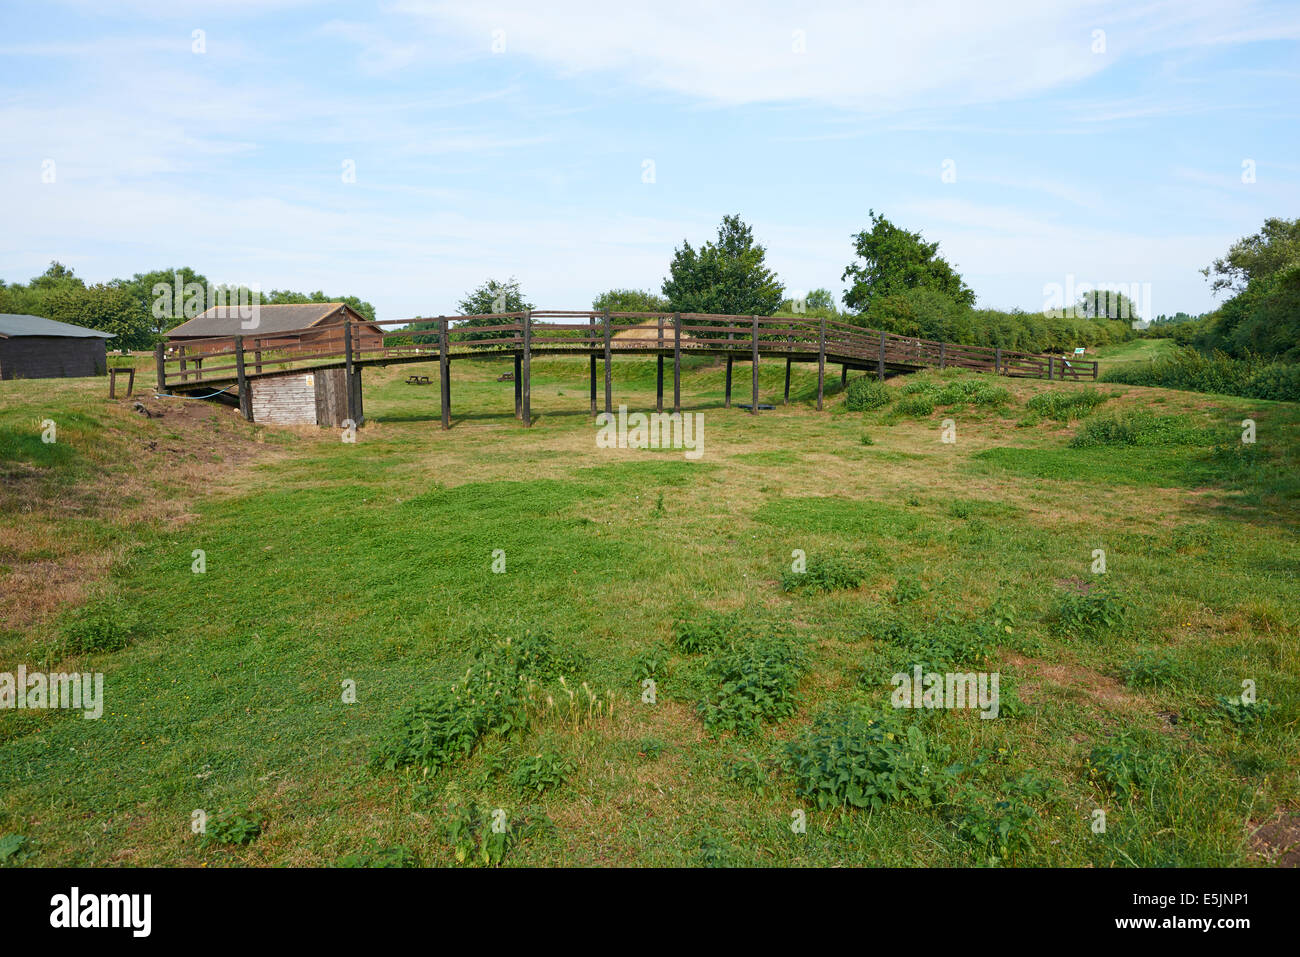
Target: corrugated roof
227,321
13,324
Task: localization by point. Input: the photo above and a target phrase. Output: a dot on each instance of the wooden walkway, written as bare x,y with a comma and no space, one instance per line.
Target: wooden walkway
208,365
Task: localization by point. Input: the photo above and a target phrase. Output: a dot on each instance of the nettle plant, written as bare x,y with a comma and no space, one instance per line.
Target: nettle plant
1002,828
857,758
1127,765
1092,613
231,827
1241,711
495,696
545,771
482,837
823,574
752,683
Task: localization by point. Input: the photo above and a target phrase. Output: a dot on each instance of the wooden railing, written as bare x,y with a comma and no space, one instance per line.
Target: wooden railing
228,359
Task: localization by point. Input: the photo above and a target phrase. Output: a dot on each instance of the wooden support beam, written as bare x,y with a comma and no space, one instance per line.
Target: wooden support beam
591,336
160,362
528,369
659,372
786,400
257,356
245,393
677,362
180,351
880,365
609,368
844,376
727,401
821,361
519,386
997,360
353,413
943,354
753,407
444,372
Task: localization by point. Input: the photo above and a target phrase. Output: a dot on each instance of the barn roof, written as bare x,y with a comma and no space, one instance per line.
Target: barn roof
227,321
13,324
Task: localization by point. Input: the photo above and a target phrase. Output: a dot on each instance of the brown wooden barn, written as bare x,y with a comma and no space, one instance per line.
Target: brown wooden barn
32,347
302,326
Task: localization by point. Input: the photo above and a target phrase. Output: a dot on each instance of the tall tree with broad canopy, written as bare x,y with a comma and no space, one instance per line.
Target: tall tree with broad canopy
727,276
892,260
1260,256
486,301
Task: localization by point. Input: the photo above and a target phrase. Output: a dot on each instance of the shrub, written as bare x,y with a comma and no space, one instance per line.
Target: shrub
373,854
866,395
939,646
752,683
712,630
1194,371
542,772
1091,613
972,391
1063,406
867,440
823,574
478,837
1242,713
860,759
1126,765
1001,828
452,719
919,387
1139,428
231,827
907,590
107,625
1151,668
919,405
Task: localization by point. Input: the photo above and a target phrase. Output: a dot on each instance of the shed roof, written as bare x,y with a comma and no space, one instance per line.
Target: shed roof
227,321
13,324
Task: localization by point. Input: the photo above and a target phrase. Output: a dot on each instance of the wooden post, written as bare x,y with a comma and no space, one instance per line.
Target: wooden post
844,376
677,362
245,394
753,408
821,360
257,355
160,362
880,365
659,372
943,354
591,336
727,401
609,370
997,360
347,365
180,351
786,400
519,386
1049,368
444,372
528,369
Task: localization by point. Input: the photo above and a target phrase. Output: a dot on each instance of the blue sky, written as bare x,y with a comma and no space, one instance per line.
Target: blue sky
511,139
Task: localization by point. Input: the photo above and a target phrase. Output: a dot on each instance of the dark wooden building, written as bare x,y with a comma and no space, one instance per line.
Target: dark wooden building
297,327
35,348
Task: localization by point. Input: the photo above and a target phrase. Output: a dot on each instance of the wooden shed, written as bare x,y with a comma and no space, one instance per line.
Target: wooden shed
32,347
283,328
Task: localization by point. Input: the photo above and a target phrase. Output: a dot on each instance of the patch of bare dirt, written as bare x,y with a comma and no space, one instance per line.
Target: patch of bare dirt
1278,841
1041,675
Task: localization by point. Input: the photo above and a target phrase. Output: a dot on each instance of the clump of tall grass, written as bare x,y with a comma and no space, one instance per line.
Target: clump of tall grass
1063,405
1194,371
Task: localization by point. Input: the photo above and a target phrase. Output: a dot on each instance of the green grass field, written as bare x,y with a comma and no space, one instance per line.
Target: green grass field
370,564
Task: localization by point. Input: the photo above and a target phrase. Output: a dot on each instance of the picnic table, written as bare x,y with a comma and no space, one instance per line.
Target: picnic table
417,380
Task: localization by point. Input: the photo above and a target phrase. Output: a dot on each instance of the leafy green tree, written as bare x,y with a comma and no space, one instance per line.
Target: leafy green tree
61,295
630,300
156,293
891,260
1256,257
487,301
1106,304
728,276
